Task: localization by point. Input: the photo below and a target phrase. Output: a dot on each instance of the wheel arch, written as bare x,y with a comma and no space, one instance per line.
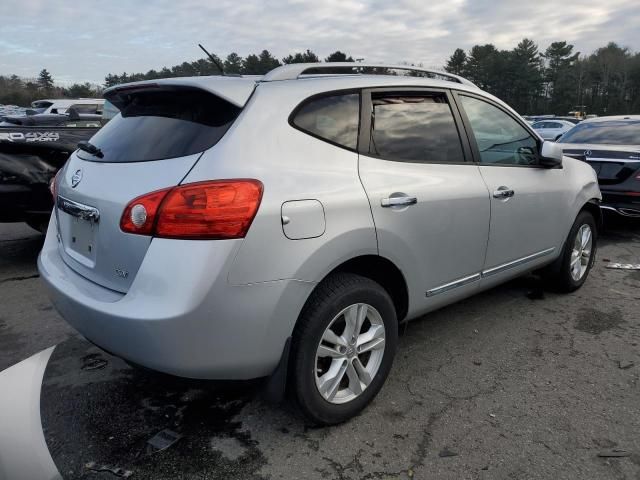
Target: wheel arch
593,207
383,271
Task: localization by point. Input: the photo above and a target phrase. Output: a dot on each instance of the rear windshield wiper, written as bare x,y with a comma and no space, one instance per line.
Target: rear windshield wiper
90,148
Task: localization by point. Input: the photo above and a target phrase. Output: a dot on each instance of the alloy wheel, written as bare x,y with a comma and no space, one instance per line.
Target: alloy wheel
581,253
349,353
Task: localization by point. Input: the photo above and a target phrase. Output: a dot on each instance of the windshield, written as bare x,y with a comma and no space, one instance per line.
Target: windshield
163,123
619,132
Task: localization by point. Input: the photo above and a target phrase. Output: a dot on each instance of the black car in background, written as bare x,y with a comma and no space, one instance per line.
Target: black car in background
32,150
611,145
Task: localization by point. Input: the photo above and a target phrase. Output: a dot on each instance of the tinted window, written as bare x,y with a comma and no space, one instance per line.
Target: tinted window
163,123
622,132
334,118
500,138
540,125
555,125
414,127
85,108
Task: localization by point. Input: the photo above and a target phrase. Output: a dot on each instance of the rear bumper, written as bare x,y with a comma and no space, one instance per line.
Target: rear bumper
625,205
180,315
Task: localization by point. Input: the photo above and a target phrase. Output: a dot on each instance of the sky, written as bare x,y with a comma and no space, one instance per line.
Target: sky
80,41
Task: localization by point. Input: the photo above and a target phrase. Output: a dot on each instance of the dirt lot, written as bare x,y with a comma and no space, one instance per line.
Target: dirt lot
516,382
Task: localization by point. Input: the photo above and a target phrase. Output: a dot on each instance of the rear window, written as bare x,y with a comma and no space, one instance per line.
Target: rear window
611,133
162,123
333,118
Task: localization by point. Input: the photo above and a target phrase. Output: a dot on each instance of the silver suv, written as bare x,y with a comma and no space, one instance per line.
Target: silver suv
283,226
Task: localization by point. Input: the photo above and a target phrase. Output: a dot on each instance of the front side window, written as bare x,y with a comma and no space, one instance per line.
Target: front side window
414,128
501,139
334,118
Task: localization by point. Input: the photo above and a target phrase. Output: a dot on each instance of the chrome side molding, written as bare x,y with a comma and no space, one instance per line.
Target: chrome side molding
455,284
487,273
516,263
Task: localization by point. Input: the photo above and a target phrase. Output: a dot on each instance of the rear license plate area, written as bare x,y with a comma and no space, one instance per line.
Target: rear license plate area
79,238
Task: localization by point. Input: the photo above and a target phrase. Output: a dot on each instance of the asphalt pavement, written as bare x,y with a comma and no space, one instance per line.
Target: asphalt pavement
516,382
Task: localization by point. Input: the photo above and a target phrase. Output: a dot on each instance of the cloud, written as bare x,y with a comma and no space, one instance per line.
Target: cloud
86,40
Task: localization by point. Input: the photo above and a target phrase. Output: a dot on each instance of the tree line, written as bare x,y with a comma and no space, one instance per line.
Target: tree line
557,80
18,91
232,64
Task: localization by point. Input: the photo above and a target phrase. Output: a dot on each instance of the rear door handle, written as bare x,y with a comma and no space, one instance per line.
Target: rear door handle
503,192
398,201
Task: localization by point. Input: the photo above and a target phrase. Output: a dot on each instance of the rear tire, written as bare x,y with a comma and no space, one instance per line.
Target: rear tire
569,272
343,348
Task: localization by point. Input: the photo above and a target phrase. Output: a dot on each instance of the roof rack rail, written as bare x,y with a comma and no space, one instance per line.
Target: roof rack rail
294,71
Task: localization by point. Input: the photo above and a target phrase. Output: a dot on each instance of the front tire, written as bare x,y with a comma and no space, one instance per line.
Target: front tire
343,348
572,268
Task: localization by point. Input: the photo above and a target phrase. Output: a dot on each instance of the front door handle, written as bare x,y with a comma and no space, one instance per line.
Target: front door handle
398,201
503,192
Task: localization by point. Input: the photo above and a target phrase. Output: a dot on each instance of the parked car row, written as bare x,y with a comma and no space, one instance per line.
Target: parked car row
284,226
611,145
32,150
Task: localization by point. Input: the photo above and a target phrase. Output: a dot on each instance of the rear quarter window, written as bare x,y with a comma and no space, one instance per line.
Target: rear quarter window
333,118
161,123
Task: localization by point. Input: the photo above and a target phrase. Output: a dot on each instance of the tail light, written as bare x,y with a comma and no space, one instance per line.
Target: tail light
218,209
53,185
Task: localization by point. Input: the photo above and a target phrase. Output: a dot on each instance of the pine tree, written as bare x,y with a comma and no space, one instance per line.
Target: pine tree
304,57
338,56
45,80
457,62
233,64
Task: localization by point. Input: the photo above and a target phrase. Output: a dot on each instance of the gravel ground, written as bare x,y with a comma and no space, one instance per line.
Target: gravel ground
516,382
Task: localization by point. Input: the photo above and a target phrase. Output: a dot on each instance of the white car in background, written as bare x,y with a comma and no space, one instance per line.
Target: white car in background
552,129
81,105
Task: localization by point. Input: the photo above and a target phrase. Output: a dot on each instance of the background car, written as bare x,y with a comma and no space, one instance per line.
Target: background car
611,145
32,150
552,129
80,105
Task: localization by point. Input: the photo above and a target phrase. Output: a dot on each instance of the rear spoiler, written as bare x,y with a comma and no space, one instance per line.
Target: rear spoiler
235,90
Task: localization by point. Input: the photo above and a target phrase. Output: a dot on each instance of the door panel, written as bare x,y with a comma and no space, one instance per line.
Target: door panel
430,206
531,220
443,236
529,203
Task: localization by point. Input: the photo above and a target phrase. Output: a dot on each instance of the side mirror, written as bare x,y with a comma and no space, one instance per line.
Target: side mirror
551,155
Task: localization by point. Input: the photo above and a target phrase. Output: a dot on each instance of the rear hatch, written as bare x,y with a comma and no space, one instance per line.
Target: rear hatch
155,140
613,163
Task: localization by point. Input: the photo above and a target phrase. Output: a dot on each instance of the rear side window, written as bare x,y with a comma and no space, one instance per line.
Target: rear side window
162,123
414,128
333,118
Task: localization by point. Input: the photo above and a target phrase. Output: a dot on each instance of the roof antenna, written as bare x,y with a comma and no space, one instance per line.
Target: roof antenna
213,59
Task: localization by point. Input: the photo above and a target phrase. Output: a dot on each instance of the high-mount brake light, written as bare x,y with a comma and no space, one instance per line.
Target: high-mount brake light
218,209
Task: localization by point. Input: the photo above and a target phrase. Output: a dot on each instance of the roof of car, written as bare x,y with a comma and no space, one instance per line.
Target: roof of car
238,89
612,118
